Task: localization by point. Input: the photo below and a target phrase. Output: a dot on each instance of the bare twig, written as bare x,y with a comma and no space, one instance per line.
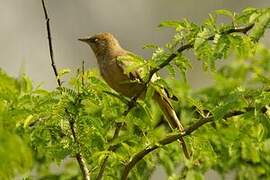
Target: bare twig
50,43
79,157
83,71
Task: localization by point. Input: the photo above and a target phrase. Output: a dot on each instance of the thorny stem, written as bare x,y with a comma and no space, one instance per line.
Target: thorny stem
50,43
79,158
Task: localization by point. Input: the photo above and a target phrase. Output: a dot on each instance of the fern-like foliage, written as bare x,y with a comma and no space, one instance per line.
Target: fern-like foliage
39,128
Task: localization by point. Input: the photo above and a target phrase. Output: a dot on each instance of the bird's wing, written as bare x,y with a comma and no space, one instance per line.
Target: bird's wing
136,69
133,66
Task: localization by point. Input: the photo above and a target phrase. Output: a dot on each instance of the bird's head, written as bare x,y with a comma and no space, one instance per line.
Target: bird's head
101,43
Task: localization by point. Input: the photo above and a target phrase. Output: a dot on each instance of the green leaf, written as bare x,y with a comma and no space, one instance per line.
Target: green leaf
261,23
225,12
201,38
25,84
249,151
243,45
199,106
171,70
63,72
27,121
232,102
182,62
170,24
158,57
150,46
194,175
244,16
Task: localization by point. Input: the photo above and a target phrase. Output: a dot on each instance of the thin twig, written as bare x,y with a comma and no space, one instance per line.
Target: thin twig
50,43
80,160
83,71
118,96
83,166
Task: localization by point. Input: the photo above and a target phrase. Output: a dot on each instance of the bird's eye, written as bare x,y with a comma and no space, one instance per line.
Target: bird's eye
93,40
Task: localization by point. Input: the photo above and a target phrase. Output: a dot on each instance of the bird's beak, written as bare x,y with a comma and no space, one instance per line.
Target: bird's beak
84,39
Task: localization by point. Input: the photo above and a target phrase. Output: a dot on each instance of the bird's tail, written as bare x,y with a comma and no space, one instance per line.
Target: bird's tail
167,108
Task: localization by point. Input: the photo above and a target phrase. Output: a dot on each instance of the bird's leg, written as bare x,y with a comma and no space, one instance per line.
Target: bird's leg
131,104
133,100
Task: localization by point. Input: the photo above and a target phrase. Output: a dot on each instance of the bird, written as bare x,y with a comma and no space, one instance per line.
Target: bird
124,73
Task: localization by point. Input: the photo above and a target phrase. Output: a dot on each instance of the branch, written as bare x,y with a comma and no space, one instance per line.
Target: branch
50,43
190,45
79,157
182,48
83,166
118,96
169,139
